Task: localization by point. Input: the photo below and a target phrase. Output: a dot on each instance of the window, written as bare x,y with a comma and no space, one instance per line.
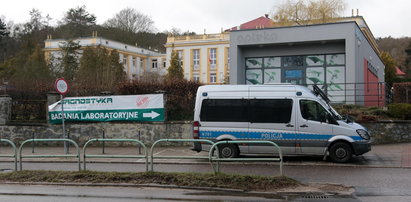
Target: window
180,57
196,59
213,57
133,61
213,77
164,64
312,110
196,78
125,60
142,63
224,110
228,56
270,110
293,61
154,63
243,110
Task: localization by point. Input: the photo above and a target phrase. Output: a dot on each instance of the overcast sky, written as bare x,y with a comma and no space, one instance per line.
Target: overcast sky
385,18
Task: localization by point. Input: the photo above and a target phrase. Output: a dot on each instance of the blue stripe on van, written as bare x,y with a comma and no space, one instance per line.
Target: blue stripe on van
269,135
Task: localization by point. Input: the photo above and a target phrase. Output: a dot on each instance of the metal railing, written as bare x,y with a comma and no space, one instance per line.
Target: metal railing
14,151
85,156
218,159
368,93
211,157
21,156
152,157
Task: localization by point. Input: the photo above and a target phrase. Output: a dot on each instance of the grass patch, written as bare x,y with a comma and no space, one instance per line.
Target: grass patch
220,180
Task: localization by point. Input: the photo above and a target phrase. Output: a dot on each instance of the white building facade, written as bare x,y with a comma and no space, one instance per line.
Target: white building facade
136,61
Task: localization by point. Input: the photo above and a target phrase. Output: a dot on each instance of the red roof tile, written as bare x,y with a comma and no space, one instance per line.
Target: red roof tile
398,72
258,23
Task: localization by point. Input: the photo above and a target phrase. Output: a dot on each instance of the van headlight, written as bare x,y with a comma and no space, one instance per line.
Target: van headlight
363,133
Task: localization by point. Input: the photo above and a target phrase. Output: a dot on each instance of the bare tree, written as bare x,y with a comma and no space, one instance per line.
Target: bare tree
129,19
304,12
37,21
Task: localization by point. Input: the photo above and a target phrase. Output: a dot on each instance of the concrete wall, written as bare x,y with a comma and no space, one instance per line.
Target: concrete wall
5,107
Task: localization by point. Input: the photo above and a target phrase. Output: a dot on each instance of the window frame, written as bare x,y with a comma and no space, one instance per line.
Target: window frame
317,117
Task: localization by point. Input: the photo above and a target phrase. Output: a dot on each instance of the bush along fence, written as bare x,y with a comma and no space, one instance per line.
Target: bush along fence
21,107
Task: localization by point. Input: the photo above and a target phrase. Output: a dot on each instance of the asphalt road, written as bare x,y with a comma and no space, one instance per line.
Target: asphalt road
52,193
381,175
369,182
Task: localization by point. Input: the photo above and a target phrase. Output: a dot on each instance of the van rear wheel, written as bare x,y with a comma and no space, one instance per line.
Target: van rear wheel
228,151
340,152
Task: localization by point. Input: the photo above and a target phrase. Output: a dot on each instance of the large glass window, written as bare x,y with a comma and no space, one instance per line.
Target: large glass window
224,110
325,70
312,110
270,110
293,61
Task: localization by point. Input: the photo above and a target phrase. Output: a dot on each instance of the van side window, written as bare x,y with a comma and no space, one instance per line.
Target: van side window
270,110
312,110
224,110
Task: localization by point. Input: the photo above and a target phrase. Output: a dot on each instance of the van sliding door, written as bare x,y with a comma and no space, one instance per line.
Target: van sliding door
272,119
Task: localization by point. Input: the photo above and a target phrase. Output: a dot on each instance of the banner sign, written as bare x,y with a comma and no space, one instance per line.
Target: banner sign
149,107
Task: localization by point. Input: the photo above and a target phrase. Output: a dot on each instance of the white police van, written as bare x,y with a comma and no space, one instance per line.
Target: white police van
297,119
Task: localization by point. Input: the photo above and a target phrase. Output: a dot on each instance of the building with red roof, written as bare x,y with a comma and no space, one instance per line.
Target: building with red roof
258,23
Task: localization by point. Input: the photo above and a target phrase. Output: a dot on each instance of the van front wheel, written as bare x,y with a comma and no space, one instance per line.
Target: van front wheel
228,151
340,152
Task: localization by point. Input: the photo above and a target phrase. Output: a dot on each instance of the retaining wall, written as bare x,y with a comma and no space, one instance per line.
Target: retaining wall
385,132
148,133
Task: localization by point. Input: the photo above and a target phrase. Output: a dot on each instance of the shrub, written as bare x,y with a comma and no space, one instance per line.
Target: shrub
400,110
180,95
360,113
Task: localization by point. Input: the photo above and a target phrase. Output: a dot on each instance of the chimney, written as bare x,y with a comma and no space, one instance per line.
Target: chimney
266,15
352,12
358,13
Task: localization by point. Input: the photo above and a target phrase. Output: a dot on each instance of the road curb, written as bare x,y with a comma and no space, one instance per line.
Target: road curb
256,193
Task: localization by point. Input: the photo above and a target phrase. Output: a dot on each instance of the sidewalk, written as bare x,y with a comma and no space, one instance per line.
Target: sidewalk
390,155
